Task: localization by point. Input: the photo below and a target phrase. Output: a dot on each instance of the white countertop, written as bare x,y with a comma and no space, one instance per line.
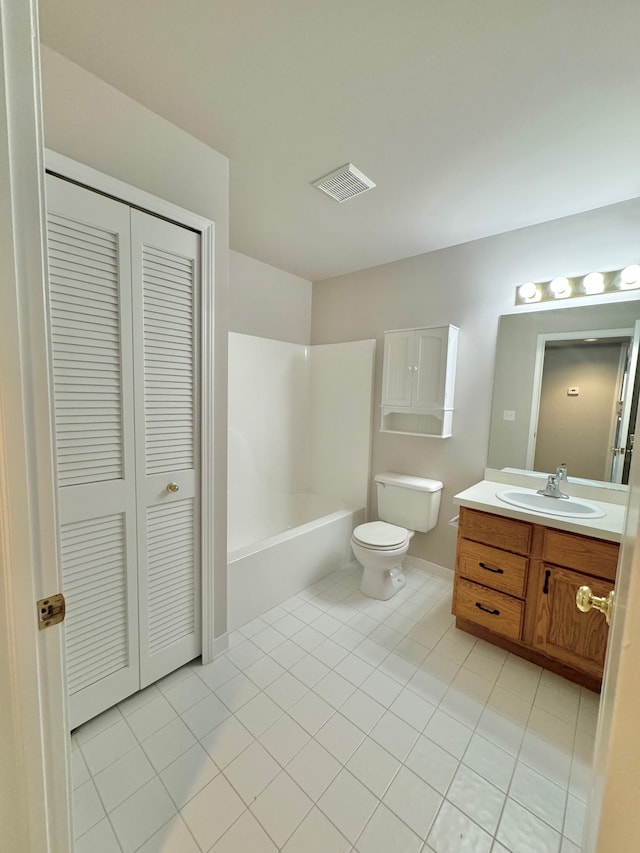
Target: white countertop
483,496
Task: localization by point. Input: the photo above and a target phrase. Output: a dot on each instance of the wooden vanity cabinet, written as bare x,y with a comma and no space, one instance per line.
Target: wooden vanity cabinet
515,585
561,631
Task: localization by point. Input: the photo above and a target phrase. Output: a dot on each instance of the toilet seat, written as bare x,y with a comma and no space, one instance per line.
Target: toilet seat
380,536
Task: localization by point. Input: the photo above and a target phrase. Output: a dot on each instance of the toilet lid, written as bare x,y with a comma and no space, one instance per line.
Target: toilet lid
380,534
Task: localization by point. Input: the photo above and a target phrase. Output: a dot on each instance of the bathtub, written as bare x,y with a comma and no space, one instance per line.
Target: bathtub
303,538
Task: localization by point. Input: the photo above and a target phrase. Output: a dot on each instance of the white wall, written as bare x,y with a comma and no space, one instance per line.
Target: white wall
341,387
469,286
93,123
268,432
299,421
594,371
268,302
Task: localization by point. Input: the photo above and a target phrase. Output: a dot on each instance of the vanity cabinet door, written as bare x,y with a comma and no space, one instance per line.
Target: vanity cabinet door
561,630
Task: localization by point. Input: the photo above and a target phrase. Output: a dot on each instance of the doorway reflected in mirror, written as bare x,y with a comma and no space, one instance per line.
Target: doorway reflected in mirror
566,391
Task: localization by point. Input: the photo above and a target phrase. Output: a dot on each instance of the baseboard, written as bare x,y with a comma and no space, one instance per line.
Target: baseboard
426,566
220,644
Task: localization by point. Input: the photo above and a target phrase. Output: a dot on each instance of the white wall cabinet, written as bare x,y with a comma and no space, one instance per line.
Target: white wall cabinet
124,301
418,380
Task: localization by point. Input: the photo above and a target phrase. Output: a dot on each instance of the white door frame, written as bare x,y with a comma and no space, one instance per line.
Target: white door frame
625,425
70,169
34,772
613,818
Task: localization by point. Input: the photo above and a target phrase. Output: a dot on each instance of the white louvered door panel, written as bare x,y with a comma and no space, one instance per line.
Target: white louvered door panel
166,270
90,316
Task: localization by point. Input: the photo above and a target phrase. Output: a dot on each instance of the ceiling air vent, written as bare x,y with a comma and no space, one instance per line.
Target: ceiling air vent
345,183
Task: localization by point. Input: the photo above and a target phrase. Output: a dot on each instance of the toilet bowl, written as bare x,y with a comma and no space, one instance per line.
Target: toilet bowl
405,504
381,548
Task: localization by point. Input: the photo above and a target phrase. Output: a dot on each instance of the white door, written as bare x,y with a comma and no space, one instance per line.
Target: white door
612,821
90,310
165,264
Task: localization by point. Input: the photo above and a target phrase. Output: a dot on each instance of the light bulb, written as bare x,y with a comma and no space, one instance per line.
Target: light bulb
630,276
594,283
528,291
560,287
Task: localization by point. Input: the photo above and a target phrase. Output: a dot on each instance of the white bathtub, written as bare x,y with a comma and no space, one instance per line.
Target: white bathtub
307,537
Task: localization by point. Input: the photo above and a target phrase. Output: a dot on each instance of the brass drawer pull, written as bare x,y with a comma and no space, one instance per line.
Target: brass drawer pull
486,609
491,569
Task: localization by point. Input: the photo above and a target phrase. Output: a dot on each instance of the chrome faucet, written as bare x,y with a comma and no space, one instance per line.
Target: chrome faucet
561,471
552,489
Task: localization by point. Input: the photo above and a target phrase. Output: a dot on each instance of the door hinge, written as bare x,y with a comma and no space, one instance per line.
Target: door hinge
51,611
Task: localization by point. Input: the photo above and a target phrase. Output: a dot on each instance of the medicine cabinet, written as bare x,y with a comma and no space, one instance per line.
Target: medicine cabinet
418,379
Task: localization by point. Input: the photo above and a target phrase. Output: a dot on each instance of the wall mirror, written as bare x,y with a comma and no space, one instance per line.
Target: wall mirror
566,391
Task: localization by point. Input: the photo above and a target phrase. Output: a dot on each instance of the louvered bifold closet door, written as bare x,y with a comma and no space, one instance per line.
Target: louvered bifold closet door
91,332
166,273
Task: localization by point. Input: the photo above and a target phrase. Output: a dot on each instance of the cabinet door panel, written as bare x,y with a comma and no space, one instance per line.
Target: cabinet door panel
430,359
397,379
562,631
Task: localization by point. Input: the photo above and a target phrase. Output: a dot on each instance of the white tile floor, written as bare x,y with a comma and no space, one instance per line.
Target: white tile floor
339,724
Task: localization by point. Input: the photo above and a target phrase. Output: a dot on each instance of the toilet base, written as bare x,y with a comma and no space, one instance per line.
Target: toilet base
382,584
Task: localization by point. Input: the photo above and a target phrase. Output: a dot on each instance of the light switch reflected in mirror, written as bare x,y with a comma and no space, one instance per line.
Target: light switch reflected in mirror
566,390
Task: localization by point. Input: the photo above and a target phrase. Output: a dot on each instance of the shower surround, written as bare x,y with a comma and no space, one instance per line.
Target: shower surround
299,456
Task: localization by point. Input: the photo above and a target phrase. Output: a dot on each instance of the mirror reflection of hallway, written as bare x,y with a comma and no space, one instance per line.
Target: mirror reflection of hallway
580,406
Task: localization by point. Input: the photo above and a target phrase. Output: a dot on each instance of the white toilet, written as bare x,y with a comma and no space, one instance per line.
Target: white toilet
405,504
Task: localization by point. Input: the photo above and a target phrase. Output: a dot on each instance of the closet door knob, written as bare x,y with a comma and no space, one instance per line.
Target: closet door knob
173,487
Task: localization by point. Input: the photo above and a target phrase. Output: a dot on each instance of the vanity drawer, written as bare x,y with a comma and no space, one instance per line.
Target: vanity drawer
496,530
493,610
592,556
492,567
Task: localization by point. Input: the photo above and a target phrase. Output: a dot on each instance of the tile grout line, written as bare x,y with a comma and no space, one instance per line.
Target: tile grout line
461,763
377,667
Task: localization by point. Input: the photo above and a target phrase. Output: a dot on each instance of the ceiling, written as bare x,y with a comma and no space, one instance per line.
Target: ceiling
472,118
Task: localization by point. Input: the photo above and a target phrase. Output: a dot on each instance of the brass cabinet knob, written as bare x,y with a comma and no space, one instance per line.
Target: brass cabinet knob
173,487
586,600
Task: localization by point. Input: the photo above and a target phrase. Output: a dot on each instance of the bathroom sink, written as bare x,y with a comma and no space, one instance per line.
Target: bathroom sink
568,507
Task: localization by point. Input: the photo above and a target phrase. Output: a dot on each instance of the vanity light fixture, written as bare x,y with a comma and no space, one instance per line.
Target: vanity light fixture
529,292
570,287
593,283
630,277
560,287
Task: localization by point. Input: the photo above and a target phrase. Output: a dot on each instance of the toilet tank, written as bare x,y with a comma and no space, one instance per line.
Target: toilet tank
411,502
